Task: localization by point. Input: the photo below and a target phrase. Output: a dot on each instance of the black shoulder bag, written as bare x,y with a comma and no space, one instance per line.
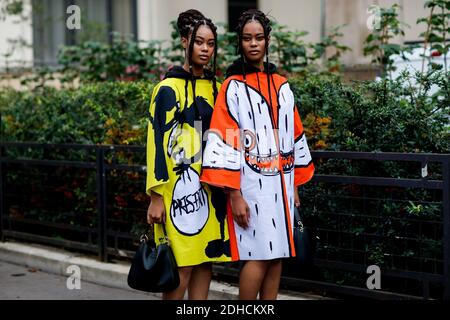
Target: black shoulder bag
154,268
303,241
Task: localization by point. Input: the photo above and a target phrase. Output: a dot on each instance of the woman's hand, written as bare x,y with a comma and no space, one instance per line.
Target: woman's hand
240,209
156,213
296,197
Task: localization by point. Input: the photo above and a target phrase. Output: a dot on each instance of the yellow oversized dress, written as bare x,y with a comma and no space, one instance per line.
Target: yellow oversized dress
196,222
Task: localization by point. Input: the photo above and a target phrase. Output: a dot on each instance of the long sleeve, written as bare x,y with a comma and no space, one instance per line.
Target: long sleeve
161,121
304,167
222,155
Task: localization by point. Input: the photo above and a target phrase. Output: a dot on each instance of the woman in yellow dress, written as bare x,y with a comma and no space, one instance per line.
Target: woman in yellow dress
194,214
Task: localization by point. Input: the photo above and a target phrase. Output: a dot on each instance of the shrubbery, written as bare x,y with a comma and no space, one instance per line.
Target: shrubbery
98,113
385,115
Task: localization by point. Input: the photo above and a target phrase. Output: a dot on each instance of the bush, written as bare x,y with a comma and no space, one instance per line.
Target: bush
98,113
386,115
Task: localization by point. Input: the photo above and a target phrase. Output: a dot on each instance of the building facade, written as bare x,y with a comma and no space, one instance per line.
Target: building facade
44,30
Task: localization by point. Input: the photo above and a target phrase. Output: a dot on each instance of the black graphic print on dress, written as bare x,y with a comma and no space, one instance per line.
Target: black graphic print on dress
217,247
200,111
165,101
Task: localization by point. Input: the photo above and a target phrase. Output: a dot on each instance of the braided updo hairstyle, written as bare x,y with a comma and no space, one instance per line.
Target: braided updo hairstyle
246,17
188,23
253,15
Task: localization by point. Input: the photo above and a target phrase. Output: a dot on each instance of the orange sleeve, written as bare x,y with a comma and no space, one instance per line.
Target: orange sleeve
304,167
222,155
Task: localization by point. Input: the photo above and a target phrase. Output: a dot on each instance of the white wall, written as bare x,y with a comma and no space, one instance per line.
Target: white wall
297,15
13,28
354,14
413,10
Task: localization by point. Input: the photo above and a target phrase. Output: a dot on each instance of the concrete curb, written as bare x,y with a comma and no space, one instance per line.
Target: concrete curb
56,261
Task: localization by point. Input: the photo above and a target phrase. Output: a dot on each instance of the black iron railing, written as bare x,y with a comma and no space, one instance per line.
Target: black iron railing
91,198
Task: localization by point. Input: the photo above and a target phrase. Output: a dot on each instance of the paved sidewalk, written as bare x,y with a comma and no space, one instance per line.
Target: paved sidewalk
39,272
24,283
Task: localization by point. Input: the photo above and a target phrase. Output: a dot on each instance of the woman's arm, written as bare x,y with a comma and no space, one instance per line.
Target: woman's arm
160,122
240,208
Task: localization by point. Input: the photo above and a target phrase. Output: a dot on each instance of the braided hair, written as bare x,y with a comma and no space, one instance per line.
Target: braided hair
188,23
259,16
253,15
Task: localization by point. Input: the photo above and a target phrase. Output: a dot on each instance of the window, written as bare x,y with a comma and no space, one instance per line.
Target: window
98,19
235,8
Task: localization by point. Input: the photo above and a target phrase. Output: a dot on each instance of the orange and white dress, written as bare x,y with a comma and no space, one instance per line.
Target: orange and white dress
260,148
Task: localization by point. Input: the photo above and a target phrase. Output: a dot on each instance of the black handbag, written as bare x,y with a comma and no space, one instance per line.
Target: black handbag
304,247
154,268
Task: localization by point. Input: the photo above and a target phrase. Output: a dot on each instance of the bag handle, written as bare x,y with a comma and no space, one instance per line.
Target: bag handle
165,238
146,238
164,231
298,218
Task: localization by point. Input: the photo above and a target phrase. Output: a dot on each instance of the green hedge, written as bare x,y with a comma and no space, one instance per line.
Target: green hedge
383,116
99,113
386,115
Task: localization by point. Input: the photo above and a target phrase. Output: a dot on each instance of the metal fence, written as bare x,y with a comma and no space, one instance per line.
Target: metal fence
91,198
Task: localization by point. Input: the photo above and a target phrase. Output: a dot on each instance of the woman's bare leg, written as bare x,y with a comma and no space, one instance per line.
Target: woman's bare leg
178,293
251,278
271,282
199,283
